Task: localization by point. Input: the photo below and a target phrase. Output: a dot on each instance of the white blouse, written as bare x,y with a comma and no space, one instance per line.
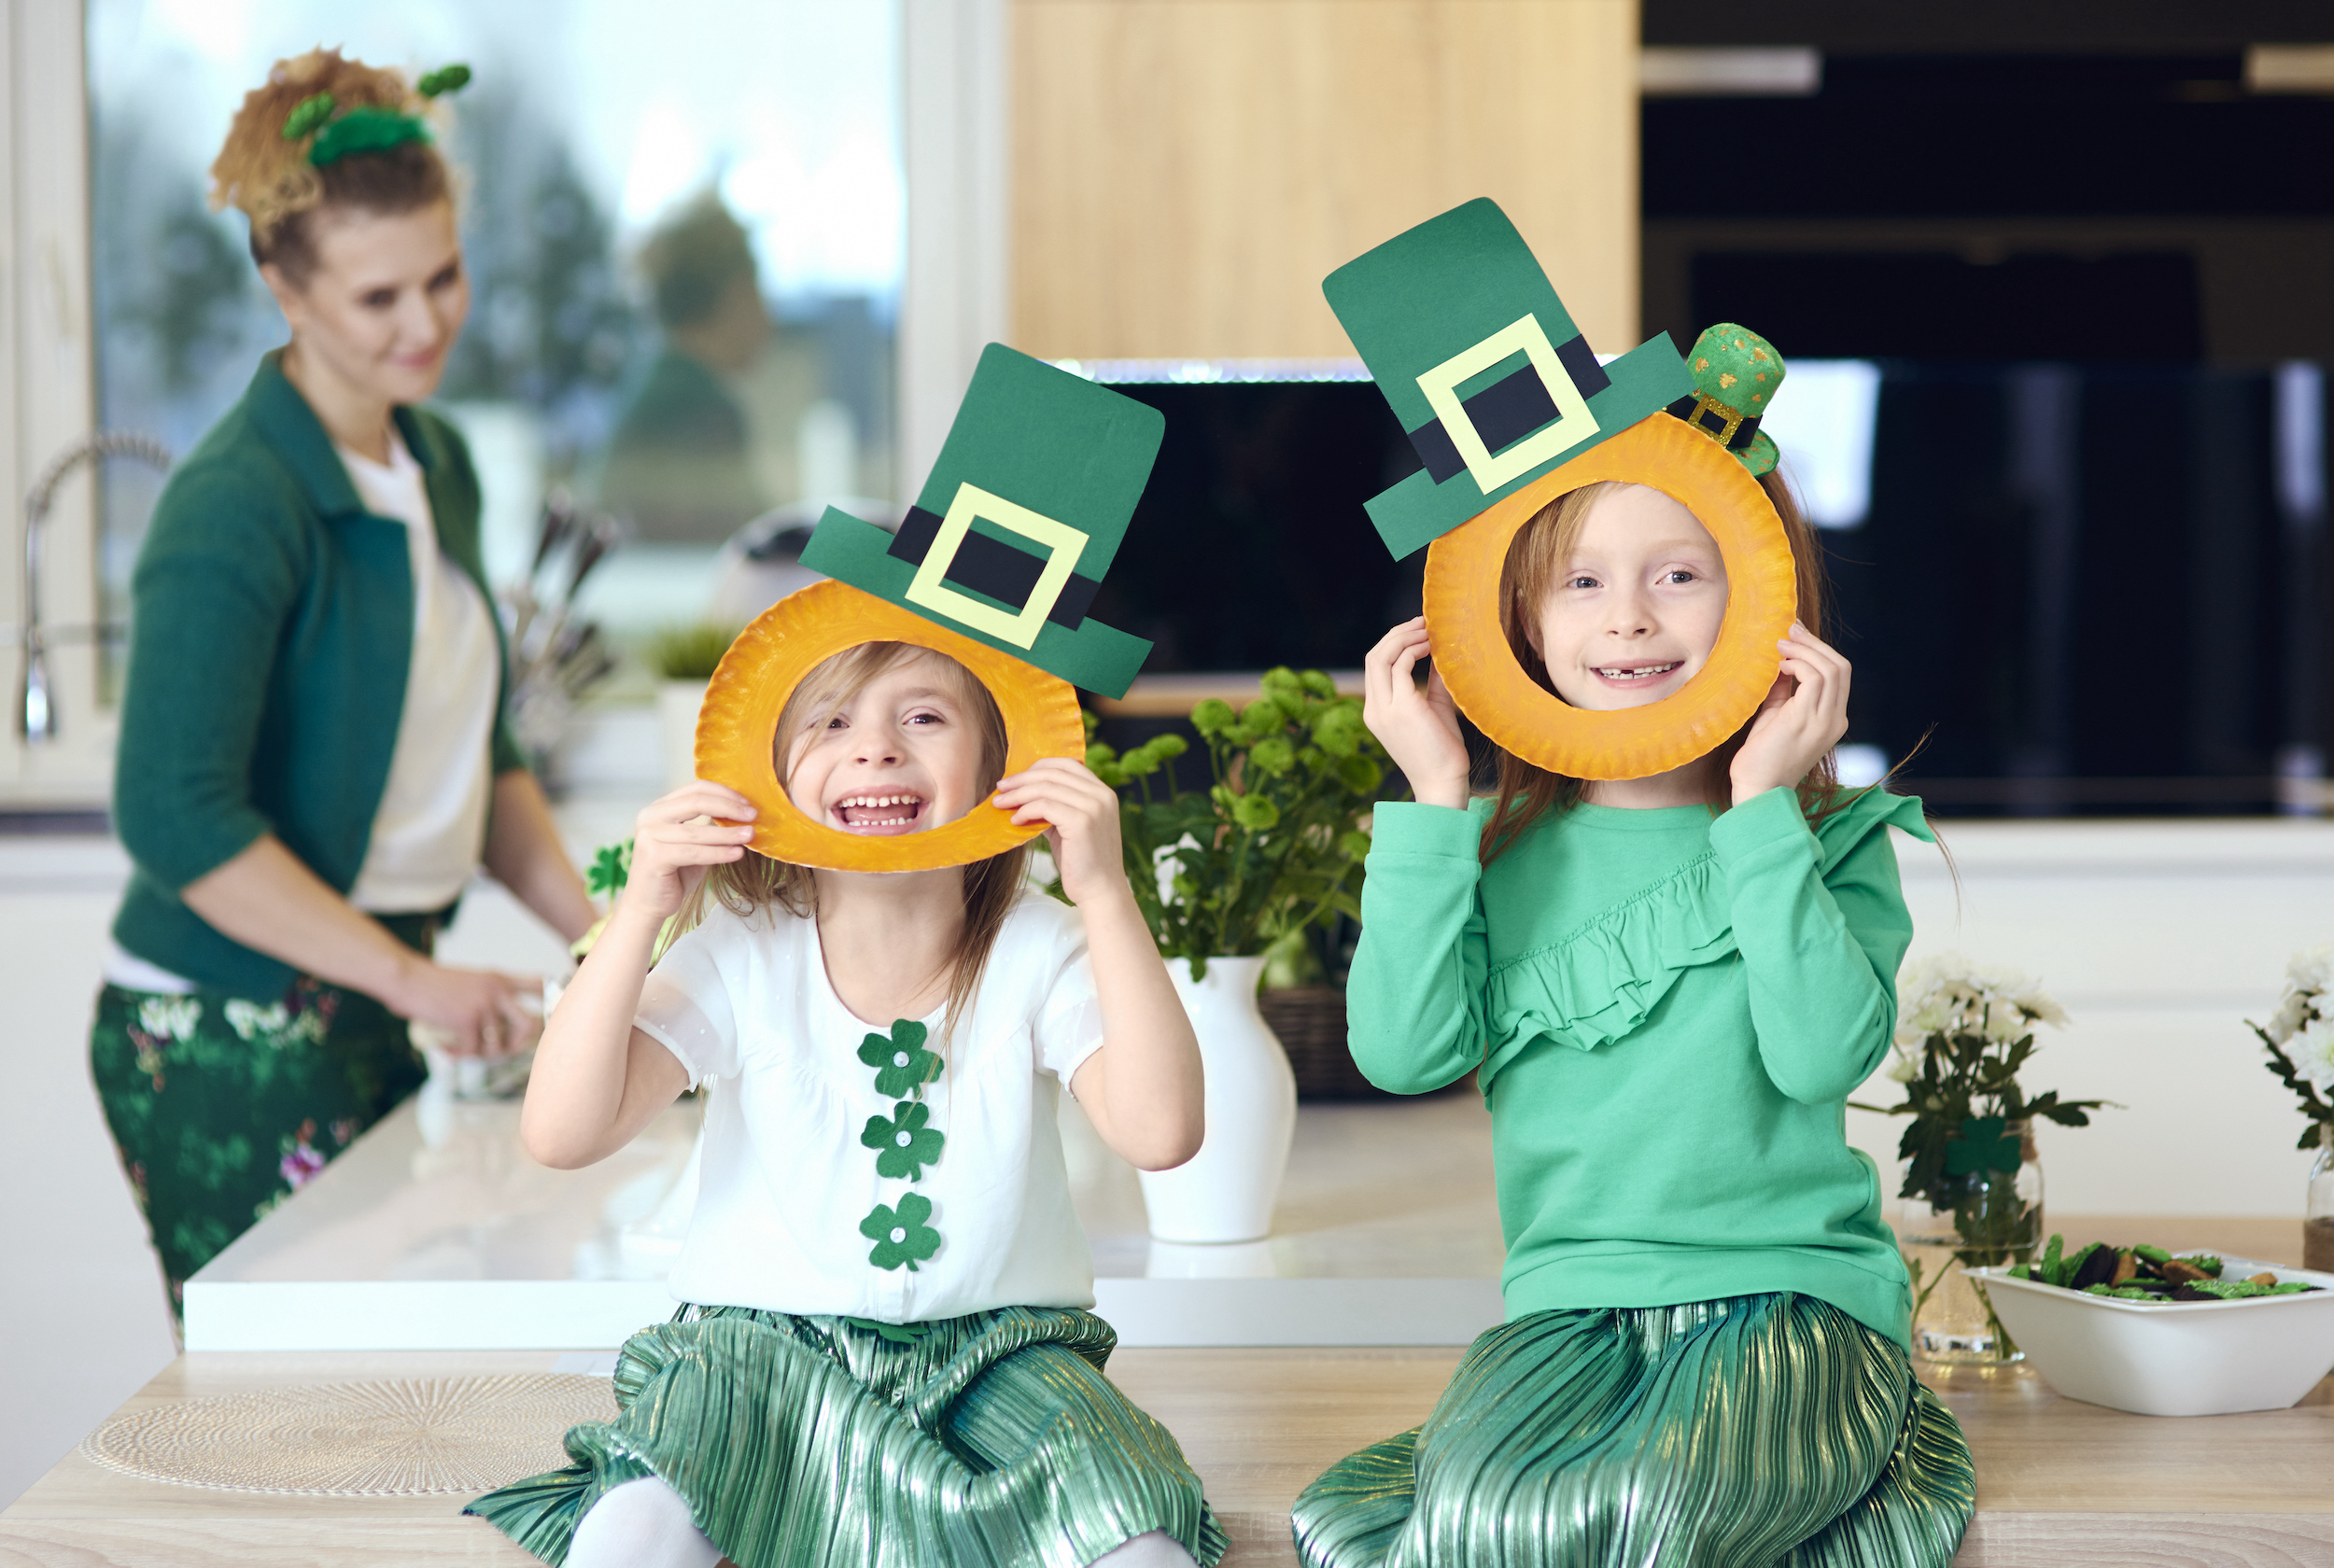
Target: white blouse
793,1214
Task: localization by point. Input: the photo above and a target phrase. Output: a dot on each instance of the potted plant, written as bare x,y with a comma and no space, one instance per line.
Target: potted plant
2299,1040
683,659
1972,1183
1270,848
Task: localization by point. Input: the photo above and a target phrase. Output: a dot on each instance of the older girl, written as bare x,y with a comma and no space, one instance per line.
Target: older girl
1668,987
887,1358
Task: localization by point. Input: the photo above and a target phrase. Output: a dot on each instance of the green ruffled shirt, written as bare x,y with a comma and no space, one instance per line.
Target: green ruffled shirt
1668,1011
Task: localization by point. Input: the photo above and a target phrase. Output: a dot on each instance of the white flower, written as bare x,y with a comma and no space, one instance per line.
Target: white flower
1945,991
1902,1068
2312,1051
2312,971
2291,1014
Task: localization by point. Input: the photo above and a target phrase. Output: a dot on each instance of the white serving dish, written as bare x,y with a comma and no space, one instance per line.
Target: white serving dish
2186,1358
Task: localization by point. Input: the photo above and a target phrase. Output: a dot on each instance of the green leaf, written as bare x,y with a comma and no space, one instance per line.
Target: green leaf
307,115
1355,842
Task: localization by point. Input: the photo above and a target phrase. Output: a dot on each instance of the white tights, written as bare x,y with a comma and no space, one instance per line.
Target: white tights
646,1524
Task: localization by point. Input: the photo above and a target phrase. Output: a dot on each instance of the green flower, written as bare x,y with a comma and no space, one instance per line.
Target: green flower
903,1065
1339,730
908,1144
1358,773
1272,756
1261,718
1211,717
900,1235
1982,1144
1255,813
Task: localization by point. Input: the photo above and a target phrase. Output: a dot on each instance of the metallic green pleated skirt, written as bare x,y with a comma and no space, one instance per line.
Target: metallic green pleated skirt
985,1441
1742,1433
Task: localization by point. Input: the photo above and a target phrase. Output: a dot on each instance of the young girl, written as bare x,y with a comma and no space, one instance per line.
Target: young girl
887,1360
1669,986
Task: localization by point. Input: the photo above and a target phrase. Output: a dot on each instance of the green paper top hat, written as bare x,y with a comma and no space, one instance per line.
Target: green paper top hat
1024,510
1737,373
1483,364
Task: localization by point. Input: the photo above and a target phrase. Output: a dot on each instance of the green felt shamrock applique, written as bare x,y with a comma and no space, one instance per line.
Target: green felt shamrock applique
900,1235
1984,1143
908,1144
903,1065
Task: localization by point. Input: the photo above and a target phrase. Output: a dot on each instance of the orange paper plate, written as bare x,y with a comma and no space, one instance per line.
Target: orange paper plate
1462,602
737,728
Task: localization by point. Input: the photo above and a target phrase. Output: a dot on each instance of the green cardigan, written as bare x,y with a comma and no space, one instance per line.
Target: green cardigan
1669,1012
273,626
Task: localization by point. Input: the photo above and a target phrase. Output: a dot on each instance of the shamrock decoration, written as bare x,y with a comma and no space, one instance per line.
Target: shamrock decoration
901,1235
906,1143
610,868
444,80
1982,1144
903,1065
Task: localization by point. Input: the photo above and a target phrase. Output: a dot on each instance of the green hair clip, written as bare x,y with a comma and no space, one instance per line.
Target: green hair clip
309,113
444,80
368,127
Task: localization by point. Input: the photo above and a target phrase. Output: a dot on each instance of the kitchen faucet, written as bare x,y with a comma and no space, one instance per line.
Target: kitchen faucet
36,708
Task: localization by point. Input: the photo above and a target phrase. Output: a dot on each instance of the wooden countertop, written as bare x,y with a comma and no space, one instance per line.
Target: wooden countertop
2059,1481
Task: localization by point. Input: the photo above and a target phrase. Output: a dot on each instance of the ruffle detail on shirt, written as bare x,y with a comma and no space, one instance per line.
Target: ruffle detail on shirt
1603,979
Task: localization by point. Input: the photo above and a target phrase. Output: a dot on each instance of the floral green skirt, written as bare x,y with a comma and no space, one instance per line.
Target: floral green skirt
1744,1433
222,1107
985,1441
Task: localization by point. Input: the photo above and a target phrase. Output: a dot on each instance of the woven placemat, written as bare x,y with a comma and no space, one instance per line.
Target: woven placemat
406,1437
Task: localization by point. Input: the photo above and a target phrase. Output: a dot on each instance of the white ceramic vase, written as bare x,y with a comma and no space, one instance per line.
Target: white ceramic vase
1226,1192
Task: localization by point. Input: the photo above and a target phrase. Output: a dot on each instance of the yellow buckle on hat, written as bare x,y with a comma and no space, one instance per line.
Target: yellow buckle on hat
1732,416
1574,424
1064,543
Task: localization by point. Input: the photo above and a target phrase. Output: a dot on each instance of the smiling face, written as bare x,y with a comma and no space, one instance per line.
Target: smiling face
888,739
1634,604
380,308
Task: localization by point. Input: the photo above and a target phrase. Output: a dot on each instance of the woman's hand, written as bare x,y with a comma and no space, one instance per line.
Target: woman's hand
1803,718
470,1011
1418,729
1081,817
675,839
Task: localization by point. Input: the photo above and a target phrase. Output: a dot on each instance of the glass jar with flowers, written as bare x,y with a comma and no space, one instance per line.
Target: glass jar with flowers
2300,1043
1973,1184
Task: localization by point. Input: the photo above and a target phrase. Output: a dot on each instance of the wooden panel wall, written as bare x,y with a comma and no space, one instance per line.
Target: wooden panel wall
1185,172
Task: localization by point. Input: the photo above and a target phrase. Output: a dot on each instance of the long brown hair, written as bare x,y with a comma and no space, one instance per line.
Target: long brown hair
1526,792
992,887
271,181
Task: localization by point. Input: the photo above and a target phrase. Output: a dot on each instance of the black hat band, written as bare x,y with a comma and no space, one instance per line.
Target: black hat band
1725,426
992,567
1509,409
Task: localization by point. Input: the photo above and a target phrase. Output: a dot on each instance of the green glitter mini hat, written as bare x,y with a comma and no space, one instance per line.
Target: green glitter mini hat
1480,362
1023,512
1737,373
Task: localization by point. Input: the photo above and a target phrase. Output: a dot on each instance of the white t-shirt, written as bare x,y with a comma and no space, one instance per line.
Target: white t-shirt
430,827
787,1182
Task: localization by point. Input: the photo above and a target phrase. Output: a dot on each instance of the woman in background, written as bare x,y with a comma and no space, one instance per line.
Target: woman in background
312,760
